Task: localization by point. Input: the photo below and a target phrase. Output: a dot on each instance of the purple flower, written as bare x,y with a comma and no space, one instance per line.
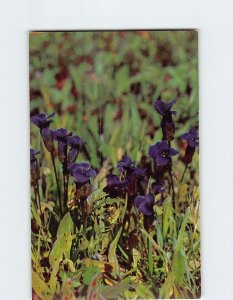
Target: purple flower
139,172
191,137
75,142
33,154
158,187
145,204
167,124
42,121
82,172
115,187
162,153
164,109
61,136
125,164
35,172
133,175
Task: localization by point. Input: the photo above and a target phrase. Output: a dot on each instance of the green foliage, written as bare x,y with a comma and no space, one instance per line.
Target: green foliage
102,85
116,77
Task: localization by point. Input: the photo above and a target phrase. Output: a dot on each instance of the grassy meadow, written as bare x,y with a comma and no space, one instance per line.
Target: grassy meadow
115,193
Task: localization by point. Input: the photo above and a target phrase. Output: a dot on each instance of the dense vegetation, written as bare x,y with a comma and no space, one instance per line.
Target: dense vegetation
114,165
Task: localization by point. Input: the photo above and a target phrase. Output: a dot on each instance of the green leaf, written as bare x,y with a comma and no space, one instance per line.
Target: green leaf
155,244
121,80
168,210
136,120
112,250
53,277
150,257
40,287
56,253
167,287
112,292
66,226
179,257
89,273
61,247
144,292
178,266
179,243
159,235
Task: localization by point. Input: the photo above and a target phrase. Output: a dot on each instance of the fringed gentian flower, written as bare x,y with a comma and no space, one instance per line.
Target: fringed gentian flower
167,124
115,187
35,172
135,176
82,172
43,122
75,142
158,187
162,153
192,138
61,136
125,164
145,204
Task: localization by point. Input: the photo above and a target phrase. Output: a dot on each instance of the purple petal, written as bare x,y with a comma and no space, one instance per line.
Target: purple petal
193,132
75,141
139,200
193,142
72,155
185,136
127,160
153,151
112,179
47,138
51,115
72,168
59,133
61,151
162,146
35,120
145,209
160,107
161,161
158,187
170,104
81,178
150,199
173,151
91,173
139,172
83,166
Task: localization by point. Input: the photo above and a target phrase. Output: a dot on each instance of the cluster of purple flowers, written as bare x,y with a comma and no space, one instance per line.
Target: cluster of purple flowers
134,180
68,148
139,184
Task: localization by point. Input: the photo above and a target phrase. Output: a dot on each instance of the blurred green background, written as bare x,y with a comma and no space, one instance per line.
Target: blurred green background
102,86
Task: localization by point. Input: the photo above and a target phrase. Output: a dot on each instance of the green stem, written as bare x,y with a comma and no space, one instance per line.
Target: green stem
150,257
58,187
64,188
67,187
172,186
184,173
36,187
